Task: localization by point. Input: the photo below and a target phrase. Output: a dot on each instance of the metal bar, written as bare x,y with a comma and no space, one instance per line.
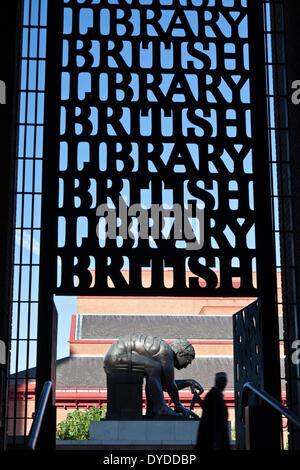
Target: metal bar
36,425
291,13
274,123
266,258
10,71
47,314
271,401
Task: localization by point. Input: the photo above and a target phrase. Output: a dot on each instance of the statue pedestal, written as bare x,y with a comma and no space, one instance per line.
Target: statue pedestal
138,435
144,434
124,395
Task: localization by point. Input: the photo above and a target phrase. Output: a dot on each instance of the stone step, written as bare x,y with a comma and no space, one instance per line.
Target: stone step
139,435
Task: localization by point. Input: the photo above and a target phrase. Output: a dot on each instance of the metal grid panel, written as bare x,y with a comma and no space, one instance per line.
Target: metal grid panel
281,185
272,69
27,228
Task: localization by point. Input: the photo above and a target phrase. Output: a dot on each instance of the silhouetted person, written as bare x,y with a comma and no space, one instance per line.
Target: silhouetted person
213,429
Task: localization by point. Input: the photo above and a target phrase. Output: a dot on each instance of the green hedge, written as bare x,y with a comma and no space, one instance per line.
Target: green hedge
77,424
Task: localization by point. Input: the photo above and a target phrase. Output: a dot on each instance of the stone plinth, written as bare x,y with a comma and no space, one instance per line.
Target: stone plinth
138,435
144,433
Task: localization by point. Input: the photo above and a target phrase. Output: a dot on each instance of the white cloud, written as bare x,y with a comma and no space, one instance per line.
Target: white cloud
35,247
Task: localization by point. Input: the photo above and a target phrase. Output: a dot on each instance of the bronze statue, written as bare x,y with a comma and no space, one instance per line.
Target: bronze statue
156,359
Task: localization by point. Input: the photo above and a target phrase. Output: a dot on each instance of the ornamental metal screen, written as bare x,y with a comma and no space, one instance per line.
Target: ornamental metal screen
248,361
155,104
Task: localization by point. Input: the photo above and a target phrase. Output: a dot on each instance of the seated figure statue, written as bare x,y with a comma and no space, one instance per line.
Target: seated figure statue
156,359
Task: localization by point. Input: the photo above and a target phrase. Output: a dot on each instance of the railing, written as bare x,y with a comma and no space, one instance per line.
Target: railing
275,404
38,419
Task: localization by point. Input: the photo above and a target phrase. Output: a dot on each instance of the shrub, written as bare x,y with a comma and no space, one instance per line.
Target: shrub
77,424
